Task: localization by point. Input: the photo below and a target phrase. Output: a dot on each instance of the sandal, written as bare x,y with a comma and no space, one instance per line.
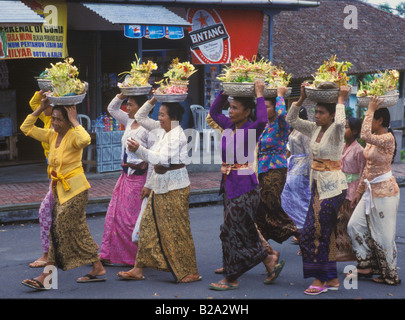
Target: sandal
91,278
276,271
38,264
37,285
191,278
319,290
219,270
126,275
228,286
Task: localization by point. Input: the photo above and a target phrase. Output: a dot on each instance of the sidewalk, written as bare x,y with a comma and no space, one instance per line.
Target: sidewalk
22,189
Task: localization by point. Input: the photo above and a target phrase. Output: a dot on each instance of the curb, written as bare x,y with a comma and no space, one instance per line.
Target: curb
29,211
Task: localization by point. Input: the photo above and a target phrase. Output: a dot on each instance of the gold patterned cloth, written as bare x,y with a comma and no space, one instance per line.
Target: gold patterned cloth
165,240
71,244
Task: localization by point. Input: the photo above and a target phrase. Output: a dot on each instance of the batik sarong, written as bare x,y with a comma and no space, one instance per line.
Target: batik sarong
45,218
373,237
71,244
165,239
344,250
271,219
317,241
241,244
120,220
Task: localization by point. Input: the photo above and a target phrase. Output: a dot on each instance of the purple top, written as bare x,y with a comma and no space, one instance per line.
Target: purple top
237,147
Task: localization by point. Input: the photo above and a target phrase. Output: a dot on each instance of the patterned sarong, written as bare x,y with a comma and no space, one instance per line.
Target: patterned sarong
165,239
241,244
317,241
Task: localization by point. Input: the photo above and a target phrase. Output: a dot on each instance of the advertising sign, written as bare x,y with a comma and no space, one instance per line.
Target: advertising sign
42,41
218,36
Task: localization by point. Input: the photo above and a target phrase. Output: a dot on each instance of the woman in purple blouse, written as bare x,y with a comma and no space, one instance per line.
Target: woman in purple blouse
241,245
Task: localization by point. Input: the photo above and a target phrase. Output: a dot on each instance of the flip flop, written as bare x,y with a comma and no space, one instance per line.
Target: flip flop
91,278
276,271
320,290
332,288
37,264
228,286
32,286
219,271
125,275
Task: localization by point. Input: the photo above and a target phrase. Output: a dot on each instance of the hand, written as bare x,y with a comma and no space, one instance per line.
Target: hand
303,93
152,100
121,96
145,192
72,115
133,145
259,88
374,103
355,200
343,95
281,91
45,105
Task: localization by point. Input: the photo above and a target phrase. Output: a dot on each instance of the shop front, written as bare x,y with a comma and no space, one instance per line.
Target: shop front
103,38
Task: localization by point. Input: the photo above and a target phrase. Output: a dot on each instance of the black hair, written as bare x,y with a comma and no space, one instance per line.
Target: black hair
248,103
303,113
63,111
139,100
331,107
174,110
386,119
355,126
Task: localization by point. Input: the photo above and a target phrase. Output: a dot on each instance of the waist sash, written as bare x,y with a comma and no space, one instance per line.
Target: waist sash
325,165
368,195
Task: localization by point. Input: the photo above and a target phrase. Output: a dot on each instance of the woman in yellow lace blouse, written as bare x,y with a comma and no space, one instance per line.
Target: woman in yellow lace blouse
372,226
71,244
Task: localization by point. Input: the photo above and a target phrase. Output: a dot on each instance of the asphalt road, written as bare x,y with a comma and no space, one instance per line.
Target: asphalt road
20,244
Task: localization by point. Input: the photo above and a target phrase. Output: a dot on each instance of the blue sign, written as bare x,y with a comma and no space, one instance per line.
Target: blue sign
134,31
153,32
174,32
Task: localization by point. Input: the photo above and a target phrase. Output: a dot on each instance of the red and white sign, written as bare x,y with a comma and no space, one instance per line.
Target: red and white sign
219,36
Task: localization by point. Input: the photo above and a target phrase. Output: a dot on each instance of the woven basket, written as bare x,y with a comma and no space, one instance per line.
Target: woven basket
239,89
257,75
170,97
66,100
179,83
44,84
322,95
135,91
272,92
390,100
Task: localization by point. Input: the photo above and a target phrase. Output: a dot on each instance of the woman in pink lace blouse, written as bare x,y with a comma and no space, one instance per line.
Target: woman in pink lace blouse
372,226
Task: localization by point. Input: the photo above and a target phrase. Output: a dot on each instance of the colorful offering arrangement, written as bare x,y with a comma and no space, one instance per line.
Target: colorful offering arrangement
64,77
382,84
138,75
332,71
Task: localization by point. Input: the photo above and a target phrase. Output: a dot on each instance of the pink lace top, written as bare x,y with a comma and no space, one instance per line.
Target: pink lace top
378,153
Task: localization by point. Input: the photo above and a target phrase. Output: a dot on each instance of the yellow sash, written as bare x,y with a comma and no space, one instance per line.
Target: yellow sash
56,177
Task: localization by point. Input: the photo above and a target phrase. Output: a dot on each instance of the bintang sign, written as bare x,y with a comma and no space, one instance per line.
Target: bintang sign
218,36
42,41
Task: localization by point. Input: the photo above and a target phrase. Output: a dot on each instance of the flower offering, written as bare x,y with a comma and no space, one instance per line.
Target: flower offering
332,71
139,74
382,84
64,79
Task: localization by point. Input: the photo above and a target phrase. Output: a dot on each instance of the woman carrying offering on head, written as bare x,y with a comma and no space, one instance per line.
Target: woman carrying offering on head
328,189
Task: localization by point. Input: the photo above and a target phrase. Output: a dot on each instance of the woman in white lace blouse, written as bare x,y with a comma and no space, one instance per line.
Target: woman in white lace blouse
328,189
165,239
